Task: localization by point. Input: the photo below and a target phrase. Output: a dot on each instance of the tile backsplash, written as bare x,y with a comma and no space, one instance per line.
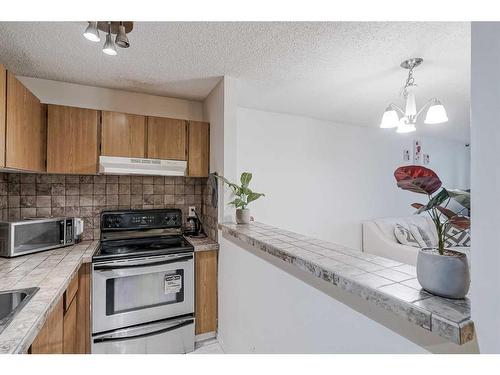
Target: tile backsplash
25,195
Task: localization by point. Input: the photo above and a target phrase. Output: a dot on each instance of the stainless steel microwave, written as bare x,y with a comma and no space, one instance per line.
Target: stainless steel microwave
32,235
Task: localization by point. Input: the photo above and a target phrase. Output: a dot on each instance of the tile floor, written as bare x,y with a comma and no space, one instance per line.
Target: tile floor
210,346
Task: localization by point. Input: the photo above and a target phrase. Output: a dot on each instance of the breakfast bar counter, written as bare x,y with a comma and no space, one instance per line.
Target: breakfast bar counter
202,244
385,283
51,271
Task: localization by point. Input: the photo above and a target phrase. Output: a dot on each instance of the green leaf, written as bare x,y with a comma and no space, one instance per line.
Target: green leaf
243,193
252,196
434,201
462,197
236,188
238,203
245,179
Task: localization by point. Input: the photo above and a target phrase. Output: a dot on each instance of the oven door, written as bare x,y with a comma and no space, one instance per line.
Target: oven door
141,290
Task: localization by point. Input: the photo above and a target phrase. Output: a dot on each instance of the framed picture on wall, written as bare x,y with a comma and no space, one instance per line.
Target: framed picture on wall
406,155
417,152
426,159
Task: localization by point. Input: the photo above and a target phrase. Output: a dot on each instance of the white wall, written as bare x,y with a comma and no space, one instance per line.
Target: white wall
268,306
323,179
70,94
485,141
213,112
221,111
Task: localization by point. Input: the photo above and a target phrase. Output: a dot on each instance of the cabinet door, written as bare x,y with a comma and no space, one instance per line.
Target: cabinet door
3,103
50,338
166,138
25,128
123,135
72,140
198,149
206,291
70,329
83,307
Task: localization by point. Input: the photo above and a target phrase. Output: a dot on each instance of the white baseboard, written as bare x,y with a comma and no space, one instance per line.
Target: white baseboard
205,336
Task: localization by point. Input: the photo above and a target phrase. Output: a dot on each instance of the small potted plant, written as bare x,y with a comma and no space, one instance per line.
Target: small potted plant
243,196
440,271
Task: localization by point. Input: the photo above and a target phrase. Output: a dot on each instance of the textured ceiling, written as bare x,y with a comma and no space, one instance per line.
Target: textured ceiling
340,71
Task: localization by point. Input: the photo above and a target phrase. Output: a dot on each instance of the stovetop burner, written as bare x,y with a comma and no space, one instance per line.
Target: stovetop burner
137,233
142,247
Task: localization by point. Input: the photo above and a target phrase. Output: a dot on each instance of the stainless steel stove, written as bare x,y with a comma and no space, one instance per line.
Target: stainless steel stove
143,284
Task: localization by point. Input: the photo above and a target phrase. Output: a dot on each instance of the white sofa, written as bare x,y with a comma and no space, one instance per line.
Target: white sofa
379,238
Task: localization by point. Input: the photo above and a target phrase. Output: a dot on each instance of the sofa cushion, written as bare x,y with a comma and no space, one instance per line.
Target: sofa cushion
406,237
422,236
456,237
424,222
387,225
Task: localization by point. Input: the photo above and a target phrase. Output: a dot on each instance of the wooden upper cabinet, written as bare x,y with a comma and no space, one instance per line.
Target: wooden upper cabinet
25,133
123,134
72,140
3,104
166,138
199,149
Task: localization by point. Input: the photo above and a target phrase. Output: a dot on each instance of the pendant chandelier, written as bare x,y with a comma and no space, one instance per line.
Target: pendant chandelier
436,113
121,29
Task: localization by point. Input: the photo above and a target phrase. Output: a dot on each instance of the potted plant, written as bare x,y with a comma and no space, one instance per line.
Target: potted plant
243,196
440,271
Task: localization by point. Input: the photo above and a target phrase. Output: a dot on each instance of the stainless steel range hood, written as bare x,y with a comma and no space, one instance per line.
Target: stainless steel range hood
121,165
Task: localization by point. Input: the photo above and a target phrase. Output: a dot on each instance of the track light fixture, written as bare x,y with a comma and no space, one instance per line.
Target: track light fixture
109,46
436,113
92,33
121,38
120,28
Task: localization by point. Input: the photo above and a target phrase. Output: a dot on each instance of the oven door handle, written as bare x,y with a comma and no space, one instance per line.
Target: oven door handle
105,267
111,338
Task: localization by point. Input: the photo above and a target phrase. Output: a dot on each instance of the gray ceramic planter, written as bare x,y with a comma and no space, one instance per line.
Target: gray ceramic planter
443,275
242,216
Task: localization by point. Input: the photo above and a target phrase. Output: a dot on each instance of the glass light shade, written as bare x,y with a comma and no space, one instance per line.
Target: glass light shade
92,33
109,46
405,127
436,114
390,119
411,103
121,38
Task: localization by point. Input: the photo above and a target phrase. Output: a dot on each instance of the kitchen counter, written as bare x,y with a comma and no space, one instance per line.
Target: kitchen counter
202,244
385,283
51,271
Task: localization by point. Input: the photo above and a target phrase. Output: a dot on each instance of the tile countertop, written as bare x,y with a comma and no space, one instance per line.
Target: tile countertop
202,244
385,283
51,271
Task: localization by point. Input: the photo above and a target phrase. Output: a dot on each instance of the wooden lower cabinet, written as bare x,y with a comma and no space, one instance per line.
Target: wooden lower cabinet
83,309
70,332
50,338
67,329
205,291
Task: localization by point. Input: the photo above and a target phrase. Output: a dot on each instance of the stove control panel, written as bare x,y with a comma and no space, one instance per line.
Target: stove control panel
141,219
